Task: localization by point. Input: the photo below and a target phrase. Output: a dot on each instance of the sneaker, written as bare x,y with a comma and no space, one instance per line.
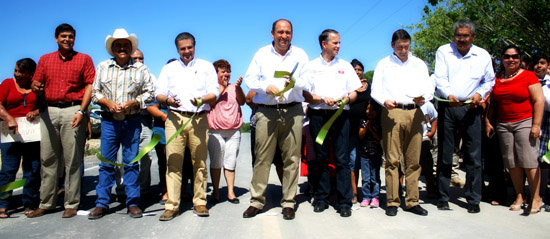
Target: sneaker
374,203
364,203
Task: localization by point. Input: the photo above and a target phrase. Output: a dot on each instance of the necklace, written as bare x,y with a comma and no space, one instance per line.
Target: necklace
504,76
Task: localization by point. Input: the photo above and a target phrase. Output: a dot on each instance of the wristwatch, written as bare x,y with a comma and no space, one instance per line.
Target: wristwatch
83,113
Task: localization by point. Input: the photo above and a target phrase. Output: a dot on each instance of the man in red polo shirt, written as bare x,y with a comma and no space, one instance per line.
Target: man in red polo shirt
65,77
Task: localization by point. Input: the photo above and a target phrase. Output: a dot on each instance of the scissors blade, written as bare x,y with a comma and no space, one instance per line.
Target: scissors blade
293,70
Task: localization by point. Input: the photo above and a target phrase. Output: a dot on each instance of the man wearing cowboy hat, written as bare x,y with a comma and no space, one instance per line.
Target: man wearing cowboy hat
122,87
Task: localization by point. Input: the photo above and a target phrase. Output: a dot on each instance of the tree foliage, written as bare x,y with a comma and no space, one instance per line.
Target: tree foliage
498,23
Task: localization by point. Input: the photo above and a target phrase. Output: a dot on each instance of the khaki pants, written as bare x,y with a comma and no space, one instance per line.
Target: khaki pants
195,136
277,128
402,135
60,141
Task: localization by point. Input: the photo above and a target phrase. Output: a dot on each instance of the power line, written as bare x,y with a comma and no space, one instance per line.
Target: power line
361,18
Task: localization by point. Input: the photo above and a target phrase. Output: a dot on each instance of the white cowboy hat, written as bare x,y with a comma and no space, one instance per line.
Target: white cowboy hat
120,34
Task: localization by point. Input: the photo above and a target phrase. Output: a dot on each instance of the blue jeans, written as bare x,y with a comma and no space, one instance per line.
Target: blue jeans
12,153
354,162
370,172
113,135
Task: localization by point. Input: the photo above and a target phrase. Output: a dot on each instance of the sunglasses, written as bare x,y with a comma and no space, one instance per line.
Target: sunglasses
25,100
514,56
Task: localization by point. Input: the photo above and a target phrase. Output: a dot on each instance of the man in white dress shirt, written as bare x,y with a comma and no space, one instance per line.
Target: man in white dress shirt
463,72
182,85
278,118
330,79
401,84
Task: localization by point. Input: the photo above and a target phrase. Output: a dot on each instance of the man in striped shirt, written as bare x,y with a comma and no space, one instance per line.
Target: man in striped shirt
122,87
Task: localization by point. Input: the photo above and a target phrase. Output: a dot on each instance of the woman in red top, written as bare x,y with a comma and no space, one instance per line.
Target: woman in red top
18,100
519,108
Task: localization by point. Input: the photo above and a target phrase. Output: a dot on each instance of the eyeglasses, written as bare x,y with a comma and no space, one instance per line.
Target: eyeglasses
514,56
138,58
465,36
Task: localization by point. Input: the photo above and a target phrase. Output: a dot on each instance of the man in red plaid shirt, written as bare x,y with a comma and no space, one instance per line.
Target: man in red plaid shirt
65,77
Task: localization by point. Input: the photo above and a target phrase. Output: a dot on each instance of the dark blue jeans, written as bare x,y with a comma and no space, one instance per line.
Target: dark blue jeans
113,135
370,176
338,137
12,153
469,122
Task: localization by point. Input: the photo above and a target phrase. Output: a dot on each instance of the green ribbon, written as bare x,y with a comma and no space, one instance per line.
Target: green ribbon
324,130
154,141
444,100
11,186
282,74
546,157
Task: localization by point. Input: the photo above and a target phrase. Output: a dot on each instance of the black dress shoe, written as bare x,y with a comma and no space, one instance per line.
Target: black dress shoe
135,212
345,212
97,213
473,208
443,206
320,206
288,213
251,212
418,210
234,200
391,211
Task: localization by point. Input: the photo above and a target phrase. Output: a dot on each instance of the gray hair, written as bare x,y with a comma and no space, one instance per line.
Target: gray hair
465,23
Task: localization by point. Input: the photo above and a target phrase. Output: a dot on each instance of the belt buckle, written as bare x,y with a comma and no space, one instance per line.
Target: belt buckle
119,116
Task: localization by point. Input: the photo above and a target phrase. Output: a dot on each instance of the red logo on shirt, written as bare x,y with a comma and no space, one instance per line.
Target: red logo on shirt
340,72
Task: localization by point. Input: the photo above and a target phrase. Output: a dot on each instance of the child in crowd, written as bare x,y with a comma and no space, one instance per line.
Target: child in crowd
426,159
370,154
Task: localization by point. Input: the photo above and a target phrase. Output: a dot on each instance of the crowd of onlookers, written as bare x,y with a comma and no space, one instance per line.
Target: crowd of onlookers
322,112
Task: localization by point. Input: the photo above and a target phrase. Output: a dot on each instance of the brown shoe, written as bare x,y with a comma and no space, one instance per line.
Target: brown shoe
168,215
37,213
69,212
201,211
97,213
135,212
251,212
288,213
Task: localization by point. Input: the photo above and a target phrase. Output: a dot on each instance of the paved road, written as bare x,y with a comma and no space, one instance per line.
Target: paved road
226,220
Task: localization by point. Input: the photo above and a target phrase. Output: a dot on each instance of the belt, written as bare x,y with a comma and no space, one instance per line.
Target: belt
322,111
64,104
187,113
280,106
406,107
118,117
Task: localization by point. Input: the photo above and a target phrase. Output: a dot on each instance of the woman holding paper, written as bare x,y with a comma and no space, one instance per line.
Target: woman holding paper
519,107
18,102
225,120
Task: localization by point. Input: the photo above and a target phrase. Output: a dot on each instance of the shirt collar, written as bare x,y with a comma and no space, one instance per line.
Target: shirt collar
324,62
131,63
275,52
396,59
471,52
68,58
191,63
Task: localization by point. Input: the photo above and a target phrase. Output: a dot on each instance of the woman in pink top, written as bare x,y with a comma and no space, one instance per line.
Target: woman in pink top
225,120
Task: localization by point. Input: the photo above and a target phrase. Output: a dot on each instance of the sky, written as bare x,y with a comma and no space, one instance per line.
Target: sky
231,30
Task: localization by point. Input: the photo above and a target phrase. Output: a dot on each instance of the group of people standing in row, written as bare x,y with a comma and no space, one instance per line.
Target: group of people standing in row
196,109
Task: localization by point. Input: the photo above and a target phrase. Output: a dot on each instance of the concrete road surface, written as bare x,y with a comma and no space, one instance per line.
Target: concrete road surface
226,220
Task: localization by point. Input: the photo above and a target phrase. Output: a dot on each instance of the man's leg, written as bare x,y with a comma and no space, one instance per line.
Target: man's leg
130,137
145,161
391,141
110,144
445,131
472,156
318,167
290,141
413,145
198,136
50,151
174,160
73,142
266,142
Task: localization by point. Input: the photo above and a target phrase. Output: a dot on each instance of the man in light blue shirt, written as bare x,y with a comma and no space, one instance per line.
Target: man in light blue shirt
463,73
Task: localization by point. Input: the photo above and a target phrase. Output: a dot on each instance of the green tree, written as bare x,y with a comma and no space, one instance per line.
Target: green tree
498,23
368,75
245,128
